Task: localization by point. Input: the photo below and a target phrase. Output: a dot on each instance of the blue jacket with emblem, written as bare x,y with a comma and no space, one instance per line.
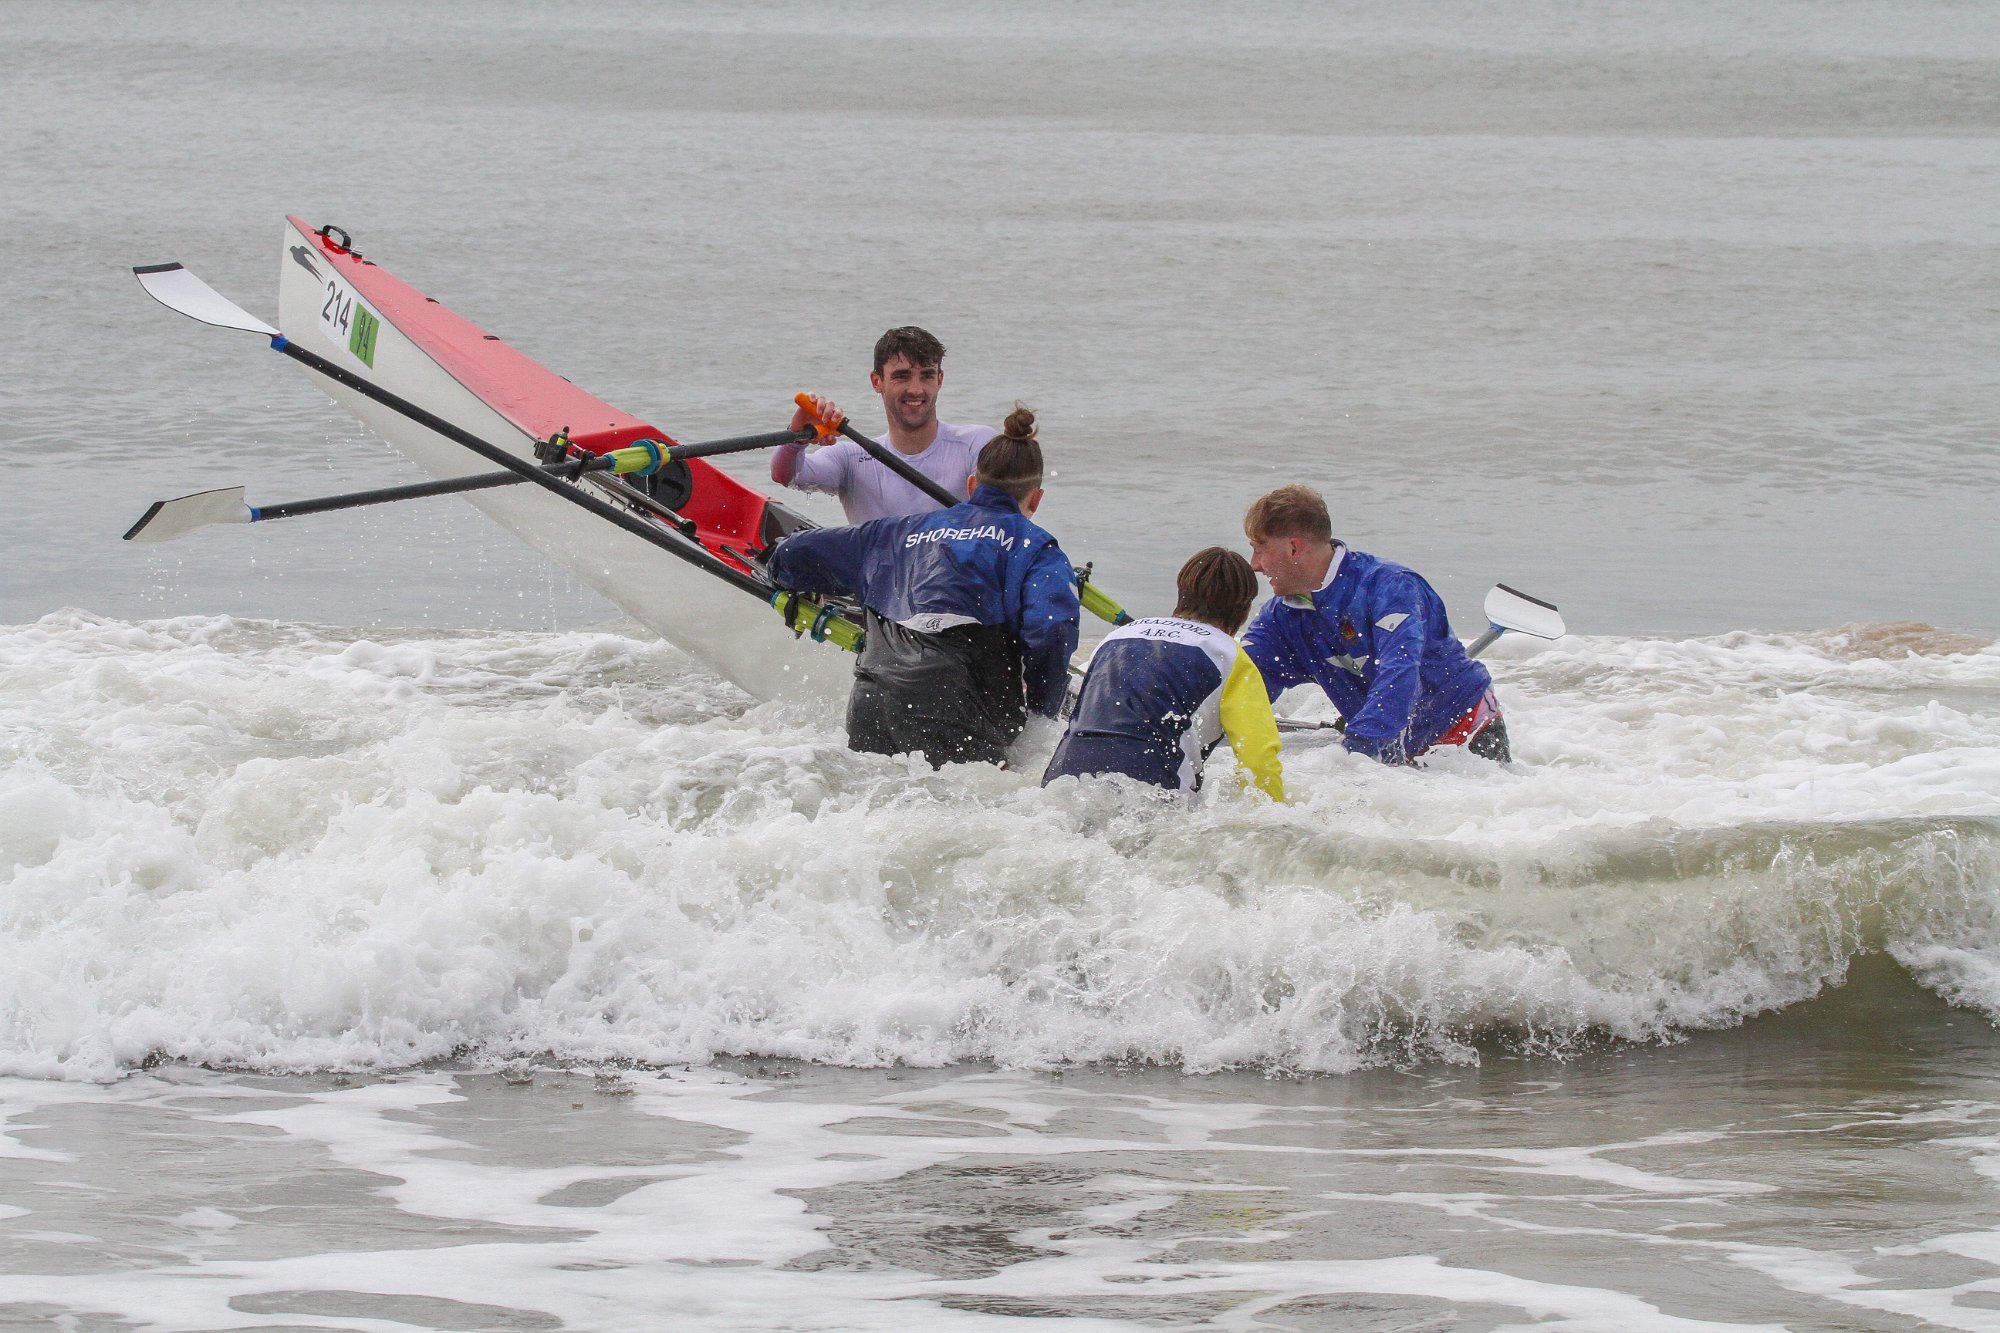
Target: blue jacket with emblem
978,563
1375,638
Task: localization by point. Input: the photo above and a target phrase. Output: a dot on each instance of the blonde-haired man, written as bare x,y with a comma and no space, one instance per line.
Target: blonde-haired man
1369,632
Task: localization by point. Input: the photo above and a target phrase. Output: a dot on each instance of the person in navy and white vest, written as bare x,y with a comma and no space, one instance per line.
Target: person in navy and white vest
1369,632
1163,691
971,612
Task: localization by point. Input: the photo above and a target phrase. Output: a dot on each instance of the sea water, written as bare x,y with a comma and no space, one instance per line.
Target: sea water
393,937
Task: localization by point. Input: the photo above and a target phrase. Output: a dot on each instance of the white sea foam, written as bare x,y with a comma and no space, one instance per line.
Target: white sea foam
282,847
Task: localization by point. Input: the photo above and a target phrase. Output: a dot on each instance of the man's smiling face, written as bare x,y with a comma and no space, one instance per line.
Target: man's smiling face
909,392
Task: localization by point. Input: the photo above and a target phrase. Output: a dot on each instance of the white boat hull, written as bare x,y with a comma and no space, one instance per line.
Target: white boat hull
721,626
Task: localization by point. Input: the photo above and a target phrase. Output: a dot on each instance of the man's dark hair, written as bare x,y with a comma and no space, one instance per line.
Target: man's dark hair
1012,460
912,344
1216,586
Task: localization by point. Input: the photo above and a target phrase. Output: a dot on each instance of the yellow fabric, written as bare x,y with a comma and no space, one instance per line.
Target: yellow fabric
1100,604
1252,730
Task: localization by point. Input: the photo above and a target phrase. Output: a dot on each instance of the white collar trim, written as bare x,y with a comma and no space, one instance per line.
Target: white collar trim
1304,601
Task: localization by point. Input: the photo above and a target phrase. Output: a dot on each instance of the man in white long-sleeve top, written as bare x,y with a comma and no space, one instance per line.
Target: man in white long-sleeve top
909,371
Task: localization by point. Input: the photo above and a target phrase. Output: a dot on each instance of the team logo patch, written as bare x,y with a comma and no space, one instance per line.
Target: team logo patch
937,622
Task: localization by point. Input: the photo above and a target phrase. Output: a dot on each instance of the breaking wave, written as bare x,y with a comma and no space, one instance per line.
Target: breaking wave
281,846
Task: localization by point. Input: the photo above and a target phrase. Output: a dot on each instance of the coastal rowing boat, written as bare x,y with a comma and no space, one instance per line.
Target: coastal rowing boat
381,330
633,514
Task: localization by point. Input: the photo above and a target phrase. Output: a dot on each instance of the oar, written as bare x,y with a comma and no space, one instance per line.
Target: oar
1095,600
888,458
168,519
735,444
174,287
177,289
1506,609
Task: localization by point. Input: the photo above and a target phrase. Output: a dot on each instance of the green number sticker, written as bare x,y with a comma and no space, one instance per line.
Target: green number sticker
361,341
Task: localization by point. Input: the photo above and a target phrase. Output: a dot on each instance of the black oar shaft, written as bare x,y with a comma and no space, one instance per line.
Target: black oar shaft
889,459
738,444
676,545
357,499
420,489
488,480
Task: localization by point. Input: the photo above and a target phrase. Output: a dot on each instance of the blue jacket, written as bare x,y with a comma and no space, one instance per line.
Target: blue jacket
1375,638
978,563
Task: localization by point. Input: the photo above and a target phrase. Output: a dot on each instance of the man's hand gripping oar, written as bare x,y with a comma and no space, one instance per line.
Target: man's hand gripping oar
826,421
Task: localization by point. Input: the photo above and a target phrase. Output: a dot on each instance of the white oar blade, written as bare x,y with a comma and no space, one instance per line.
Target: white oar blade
177,289
168,519
1508,609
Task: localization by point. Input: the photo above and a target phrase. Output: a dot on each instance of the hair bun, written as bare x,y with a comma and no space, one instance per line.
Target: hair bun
1020,424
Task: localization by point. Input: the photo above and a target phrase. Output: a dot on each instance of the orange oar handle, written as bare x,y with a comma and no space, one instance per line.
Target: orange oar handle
825,427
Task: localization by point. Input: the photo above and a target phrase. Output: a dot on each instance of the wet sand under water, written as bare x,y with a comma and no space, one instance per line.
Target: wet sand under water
1790,1171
